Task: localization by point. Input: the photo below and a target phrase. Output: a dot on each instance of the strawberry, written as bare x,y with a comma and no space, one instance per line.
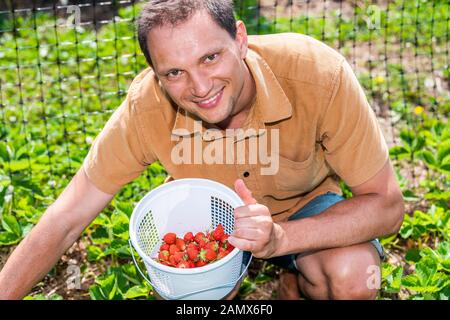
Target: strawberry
183,264
163,255
192,245
212,245
200,263
170,238
201,239
191,264
164,246
173,260
200,236
208,255
209,236
173,248
180,244
222,254
192,253
218,232
225,242
180,256
224,238
166,263
188,237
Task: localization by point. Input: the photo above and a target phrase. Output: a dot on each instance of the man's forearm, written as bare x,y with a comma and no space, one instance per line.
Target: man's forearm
355,220
33,258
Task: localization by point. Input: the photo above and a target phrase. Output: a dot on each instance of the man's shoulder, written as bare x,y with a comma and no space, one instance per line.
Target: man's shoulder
296,56
144,91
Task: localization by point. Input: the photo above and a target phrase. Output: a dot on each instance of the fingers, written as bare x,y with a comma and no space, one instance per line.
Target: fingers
255,247
254,222
243,192
242,244
251,211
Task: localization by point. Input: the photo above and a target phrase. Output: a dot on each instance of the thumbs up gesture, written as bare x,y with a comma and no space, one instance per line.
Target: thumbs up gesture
254,229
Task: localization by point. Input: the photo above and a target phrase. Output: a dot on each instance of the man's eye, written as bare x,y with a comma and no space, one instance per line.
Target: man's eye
211,57
173,74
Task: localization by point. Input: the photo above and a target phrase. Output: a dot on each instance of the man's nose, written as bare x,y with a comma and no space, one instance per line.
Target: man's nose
201,85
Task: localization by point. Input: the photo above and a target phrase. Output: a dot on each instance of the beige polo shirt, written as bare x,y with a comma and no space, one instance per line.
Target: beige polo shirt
308,102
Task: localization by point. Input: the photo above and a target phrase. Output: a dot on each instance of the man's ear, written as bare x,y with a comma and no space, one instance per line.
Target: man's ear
242,38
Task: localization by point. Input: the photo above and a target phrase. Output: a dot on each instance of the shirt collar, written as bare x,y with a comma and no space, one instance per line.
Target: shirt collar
271,103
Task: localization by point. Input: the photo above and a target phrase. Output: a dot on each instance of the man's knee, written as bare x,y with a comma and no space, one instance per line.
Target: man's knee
348,273
343,285
351,273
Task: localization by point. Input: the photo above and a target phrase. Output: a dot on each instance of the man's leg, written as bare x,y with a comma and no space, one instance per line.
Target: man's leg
340,273
320,267
288,285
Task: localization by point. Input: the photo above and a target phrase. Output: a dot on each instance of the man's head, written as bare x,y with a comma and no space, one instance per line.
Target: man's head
157,13
197,51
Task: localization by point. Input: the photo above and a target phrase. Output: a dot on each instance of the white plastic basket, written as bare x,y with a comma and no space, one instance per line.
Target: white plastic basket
181,206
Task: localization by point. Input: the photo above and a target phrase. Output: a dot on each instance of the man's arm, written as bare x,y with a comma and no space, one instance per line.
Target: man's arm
59,227
375,210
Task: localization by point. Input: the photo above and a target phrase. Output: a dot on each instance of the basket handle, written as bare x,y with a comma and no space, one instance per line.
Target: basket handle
172,297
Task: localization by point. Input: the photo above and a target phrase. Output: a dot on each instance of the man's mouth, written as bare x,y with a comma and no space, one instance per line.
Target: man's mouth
211,102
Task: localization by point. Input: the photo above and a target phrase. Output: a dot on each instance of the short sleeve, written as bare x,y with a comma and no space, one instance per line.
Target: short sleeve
354,144
116,156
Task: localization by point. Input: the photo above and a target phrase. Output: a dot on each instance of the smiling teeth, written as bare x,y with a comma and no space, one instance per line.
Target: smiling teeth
210,99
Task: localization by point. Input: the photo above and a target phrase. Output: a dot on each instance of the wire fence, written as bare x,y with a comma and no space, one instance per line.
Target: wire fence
66,65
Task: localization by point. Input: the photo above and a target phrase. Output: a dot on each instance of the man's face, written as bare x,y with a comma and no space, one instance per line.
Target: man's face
201,67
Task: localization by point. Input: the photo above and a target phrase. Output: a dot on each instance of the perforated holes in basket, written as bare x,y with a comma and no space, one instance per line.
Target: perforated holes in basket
161,279
222,212
236,269
147,234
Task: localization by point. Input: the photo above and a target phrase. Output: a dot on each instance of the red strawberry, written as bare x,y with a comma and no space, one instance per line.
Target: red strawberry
180,256
173,248
191,264
200,263
180,244
164,246
170,238
224,238
164,255
166,263
183,264
209,236
192,245
200,236
222,254
192,253
208,255
212,245
218,232
188,237
173,260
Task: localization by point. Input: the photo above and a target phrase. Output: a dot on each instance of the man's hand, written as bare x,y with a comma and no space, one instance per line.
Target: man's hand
255,230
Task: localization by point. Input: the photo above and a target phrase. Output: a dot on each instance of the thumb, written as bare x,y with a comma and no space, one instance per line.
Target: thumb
244,192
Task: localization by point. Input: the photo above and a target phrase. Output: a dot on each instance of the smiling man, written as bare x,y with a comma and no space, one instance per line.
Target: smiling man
207,76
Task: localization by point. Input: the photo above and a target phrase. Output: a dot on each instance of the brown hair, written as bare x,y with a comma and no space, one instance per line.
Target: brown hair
156,13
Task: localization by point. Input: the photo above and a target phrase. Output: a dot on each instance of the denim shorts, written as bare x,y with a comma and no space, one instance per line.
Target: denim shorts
312,208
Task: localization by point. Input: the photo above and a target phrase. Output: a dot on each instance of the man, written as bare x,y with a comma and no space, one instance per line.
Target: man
291,88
